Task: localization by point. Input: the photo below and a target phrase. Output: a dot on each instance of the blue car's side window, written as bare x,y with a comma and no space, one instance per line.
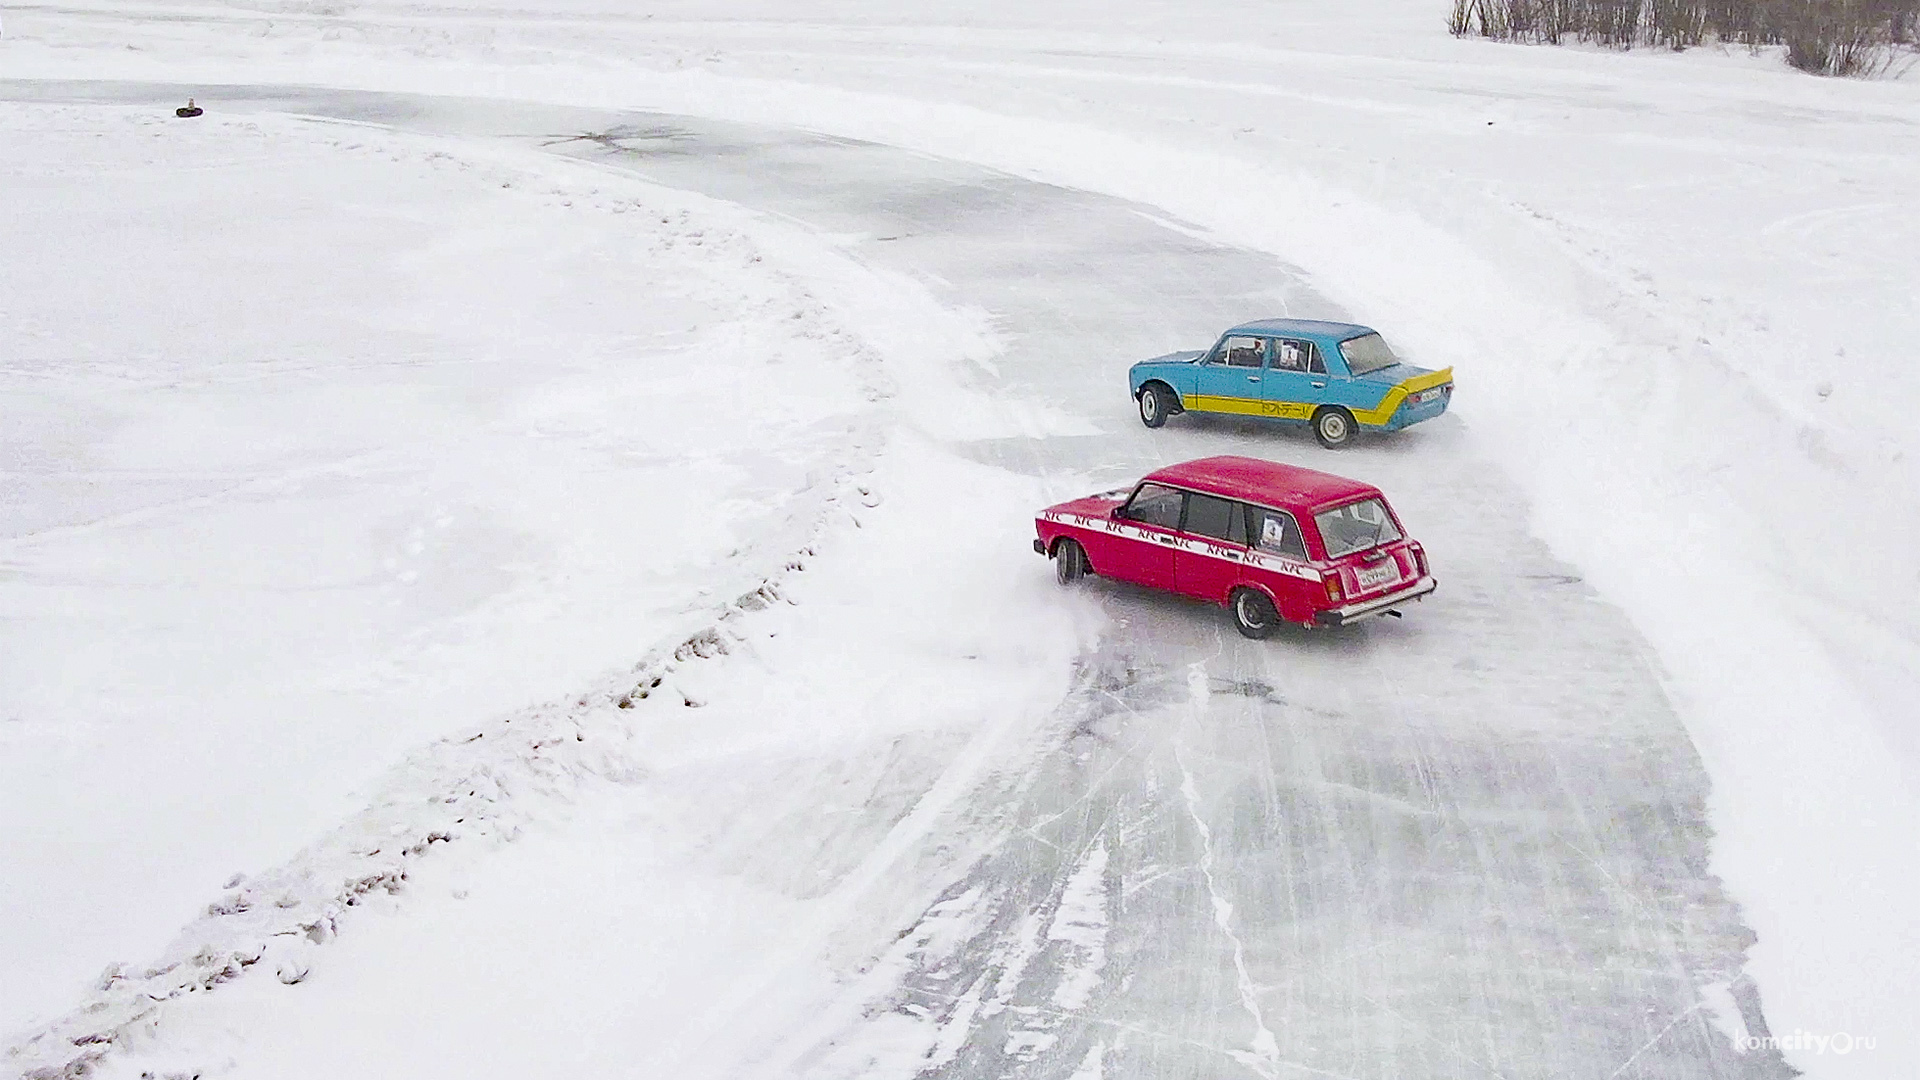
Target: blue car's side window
1301,356
1289,355
1245,352
1331,363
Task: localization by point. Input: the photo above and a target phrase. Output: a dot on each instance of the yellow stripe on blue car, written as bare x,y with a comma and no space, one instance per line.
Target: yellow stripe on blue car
1378,416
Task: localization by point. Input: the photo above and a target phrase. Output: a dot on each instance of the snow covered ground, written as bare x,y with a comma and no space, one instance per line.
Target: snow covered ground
1680,292
323,440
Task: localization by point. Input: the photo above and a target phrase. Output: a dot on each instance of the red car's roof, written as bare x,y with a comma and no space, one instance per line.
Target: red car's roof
1269,482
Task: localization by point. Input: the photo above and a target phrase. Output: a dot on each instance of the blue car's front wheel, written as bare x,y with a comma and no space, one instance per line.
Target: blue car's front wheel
1154,405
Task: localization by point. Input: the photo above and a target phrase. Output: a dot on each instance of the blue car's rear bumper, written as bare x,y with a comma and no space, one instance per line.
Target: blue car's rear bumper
1413,414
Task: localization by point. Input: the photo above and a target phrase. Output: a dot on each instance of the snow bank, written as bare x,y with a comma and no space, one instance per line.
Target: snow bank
323,441
726,557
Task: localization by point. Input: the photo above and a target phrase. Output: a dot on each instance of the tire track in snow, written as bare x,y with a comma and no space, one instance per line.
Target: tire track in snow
1033,963
352,465
1082,920
998,974
836,908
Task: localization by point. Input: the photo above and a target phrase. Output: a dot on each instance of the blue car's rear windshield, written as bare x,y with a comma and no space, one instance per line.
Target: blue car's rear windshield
1368,352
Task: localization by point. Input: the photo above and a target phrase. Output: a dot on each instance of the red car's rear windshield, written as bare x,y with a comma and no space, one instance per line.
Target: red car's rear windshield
1356,526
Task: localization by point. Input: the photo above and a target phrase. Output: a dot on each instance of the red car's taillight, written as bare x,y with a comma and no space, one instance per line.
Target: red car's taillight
1420,559
1331,579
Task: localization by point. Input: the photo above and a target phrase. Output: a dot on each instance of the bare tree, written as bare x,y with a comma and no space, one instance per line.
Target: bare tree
1826,37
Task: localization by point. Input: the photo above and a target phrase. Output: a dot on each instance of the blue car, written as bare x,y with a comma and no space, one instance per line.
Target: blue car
1338,377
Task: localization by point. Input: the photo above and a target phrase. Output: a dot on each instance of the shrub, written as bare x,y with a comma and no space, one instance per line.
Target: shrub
1826,37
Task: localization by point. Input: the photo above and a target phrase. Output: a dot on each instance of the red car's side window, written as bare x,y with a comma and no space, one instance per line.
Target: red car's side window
1153,504
1215,518
1277,533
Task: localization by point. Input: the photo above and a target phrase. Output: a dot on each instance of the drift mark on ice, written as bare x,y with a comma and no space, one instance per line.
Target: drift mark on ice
1266,1050
983,983
1006,970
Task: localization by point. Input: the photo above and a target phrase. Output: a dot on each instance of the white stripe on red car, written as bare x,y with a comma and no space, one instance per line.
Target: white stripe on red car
1194,545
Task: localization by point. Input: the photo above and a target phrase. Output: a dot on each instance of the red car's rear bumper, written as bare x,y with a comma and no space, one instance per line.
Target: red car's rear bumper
1379,605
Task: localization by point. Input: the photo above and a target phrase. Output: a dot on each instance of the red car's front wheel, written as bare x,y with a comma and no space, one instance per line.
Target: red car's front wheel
1069,562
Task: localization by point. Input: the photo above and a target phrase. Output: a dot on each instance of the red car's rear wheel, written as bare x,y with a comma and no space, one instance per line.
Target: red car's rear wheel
1253,613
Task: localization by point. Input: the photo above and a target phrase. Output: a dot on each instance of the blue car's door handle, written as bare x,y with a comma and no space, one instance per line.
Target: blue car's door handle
1253,378
1319,386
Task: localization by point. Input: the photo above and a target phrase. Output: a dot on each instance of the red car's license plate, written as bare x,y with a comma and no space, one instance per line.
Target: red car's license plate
1374,577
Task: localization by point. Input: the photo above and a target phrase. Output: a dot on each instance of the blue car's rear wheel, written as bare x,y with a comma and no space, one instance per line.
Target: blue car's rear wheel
1333,426
1154,405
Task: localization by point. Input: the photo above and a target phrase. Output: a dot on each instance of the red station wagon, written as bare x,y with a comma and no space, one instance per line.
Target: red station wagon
1269,541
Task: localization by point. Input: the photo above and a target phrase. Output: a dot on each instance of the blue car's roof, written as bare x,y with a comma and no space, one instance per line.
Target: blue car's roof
1334,331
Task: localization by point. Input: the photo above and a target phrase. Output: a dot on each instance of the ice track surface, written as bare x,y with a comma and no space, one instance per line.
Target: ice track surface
1472,843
